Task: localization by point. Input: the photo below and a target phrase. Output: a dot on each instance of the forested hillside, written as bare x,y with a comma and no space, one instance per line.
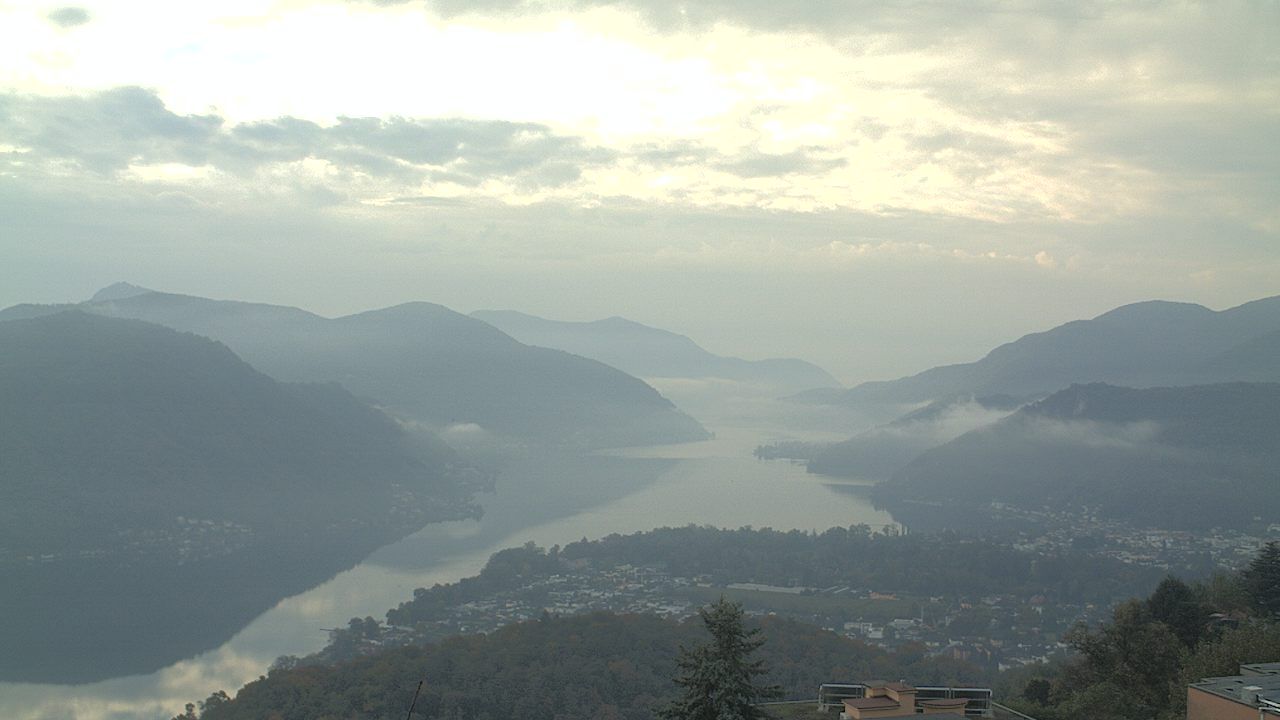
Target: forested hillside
1191,457
111,426
572,668
1138,665
878,453
142,468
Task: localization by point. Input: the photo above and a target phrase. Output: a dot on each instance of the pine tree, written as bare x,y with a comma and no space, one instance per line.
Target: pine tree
718,677
1262,580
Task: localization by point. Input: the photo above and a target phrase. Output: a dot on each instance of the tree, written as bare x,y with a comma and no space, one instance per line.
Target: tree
214,701
1174,603
1224,592
1223,655
1037,690
1134,652
1262,580
718,677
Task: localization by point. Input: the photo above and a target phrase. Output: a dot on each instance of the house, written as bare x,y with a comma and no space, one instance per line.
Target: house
897,699
1254,694
880,699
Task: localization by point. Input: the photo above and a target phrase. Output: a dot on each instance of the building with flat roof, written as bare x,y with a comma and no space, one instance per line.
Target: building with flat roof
1254,694
878,699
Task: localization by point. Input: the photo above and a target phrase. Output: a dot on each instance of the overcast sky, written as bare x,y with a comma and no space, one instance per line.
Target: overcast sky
878,187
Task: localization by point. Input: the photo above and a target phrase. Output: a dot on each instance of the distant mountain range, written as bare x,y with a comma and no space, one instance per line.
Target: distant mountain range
1146,344
650,352
424,362
1191,457
141,467
1155,412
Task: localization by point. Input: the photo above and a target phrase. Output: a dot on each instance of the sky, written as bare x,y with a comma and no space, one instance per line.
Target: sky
877,187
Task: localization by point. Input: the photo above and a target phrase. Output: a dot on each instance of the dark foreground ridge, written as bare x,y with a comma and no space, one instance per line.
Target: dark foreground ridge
144,471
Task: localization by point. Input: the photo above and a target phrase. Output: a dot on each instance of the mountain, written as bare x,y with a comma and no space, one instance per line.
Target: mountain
1255,360
141,466
1188,457
877,453
427,363
118,291
108,424
649,352
1146,344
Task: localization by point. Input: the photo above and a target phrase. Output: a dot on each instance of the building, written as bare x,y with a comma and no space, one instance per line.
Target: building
1254,694
896,700
879,699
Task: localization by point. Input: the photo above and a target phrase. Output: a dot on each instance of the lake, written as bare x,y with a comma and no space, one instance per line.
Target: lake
541,497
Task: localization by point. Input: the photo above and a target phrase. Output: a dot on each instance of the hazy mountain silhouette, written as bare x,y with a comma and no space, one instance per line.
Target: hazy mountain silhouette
1146,344
119,291
878,453
141,467
1194,456
1256,360
650,352
109,423
427,363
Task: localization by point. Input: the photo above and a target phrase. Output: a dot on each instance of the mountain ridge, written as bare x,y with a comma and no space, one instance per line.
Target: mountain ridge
426,362
646,351
142,466
1187,456
1142,344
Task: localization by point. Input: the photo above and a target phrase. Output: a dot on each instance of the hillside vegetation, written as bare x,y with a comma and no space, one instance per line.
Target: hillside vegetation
1191,457
145,471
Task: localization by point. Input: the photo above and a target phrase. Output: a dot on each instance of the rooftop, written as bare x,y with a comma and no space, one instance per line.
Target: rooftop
944,702
1243,688
874,703
899,687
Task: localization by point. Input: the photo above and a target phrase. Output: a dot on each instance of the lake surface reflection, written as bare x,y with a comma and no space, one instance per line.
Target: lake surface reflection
546,499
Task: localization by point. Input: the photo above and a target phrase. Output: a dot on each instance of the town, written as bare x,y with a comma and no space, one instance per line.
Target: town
992,630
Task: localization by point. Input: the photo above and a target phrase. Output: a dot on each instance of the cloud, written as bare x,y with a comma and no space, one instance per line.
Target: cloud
1072,109
1092,434
114,130
814,15
747,162
1083,112
129,134
106,131
673,153
753,164
69,16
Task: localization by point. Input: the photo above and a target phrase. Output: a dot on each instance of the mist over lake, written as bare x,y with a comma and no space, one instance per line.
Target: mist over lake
545,498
